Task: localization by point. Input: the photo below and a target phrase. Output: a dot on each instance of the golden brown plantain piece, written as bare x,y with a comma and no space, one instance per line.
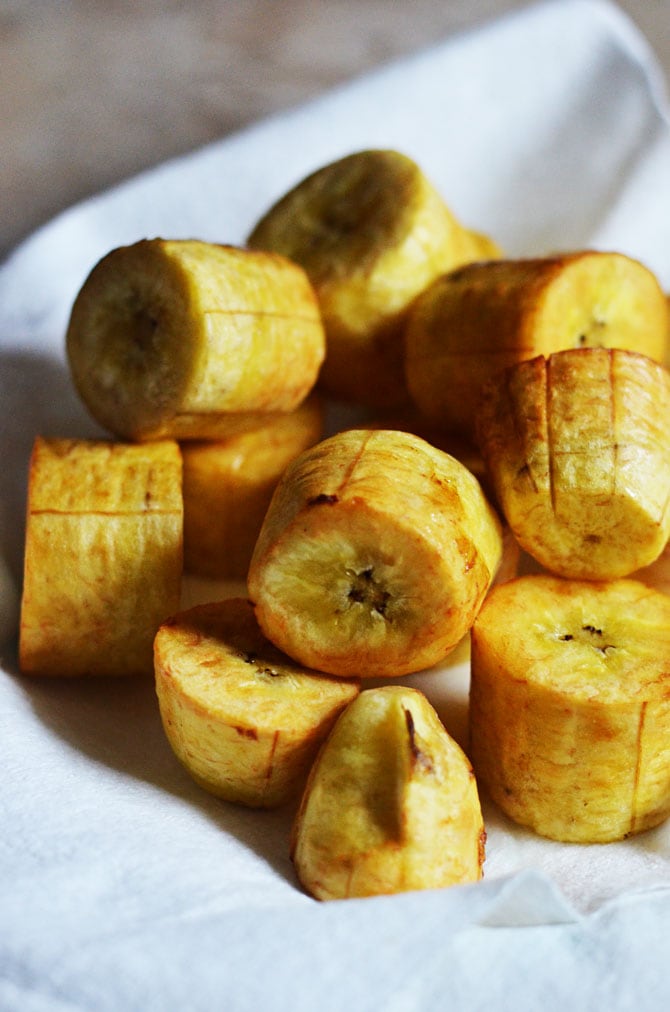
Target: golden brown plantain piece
191,340
375,555
578,451
391,803
371,232
243,719
570,706
103,555
481,318
228,485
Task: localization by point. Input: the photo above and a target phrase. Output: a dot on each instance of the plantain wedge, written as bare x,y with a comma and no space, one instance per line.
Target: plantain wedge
191,340
374,556
371,232
243,720
391,803
569,706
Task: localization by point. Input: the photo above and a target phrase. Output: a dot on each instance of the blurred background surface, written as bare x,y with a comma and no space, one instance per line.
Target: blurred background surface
96,90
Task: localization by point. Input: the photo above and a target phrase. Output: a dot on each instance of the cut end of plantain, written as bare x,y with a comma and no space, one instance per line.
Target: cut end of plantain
374,556
242,718
371,232
172,338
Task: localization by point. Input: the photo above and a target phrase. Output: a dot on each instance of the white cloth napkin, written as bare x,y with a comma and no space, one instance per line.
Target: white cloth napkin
125,887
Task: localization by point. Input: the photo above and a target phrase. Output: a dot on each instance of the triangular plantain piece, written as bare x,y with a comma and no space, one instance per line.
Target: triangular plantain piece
391,803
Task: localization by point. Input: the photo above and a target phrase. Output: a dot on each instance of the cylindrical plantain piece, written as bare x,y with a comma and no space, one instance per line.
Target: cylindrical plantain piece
228,485
375,555
103,555
243,720
371,232
391,804
191,340
578,450
477,320
570,706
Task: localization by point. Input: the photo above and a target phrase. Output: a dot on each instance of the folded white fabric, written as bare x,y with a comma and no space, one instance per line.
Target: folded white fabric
122,885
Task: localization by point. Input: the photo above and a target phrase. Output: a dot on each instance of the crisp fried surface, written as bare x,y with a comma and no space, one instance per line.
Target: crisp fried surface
243,719
371,232
216,657
167,336
578,452
103,556
228,485
374,556
72,476
390,805
583,640
570,705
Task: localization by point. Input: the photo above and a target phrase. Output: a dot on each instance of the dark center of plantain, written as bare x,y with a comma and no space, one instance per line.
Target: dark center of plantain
137,329
591,635
263,670
357,210
589,336
143,329
366,591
